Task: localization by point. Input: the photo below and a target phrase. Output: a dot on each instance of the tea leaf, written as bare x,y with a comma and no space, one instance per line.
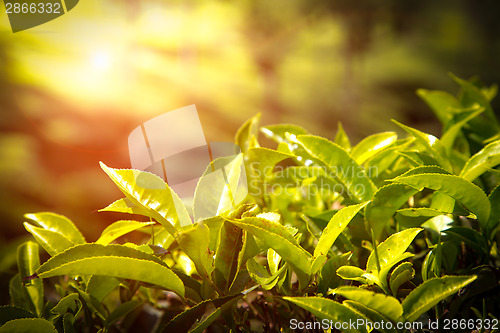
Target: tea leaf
324,308
279,238
458,188
30,325
112,260
401,274
118,229
486,158
28,262
151,193
336,225
388,306
371,145
59,224
341,166
429,293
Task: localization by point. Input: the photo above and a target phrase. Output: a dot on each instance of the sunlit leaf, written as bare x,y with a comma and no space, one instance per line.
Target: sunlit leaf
112,260
433,145
456,187
371,145
388,306
429,293
247,133
442,103
341,166
401,274
386,201
351,273
59,224
151,193
324,308
51,241
118,229
195,243
28,262
341,137
226,256
336,225
279,238
219,191
390,252
486,158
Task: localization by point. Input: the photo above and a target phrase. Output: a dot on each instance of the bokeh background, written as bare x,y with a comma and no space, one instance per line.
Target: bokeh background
73,89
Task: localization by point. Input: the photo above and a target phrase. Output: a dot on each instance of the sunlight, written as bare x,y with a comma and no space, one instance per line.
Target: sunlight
101,60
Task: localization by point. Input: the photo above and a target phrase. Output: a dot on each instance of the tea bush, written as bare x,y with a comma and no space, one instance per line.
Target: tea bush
391,231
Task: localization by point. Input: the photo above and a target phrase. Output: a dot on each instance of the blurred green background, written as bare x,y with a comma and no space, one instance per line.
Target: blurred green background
74,88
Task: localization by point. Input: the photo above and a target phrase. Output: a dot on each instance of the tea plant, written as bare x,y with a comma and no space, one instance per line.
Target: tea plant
393,230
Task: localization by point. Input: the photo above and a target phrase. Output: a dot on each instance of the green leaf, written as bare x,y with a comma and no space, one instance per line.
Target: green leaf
429,293
486,158
390,252
28,325
324,308
59,224
494,220
449,136
336,225
273,260
471,94
195,243
327,278
371,145
341,166
442,103
385,158
118,229
70,302
351,273
263,160
151,193
388,306
401,274
8,313
259,274
218,190
51,241
279,238
185,320
470,237
341,137
19,296
112,260
433,145
100,286
226,256
386,201
372,315
125,205
246,136
27,262
277,132
122,310
458,188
